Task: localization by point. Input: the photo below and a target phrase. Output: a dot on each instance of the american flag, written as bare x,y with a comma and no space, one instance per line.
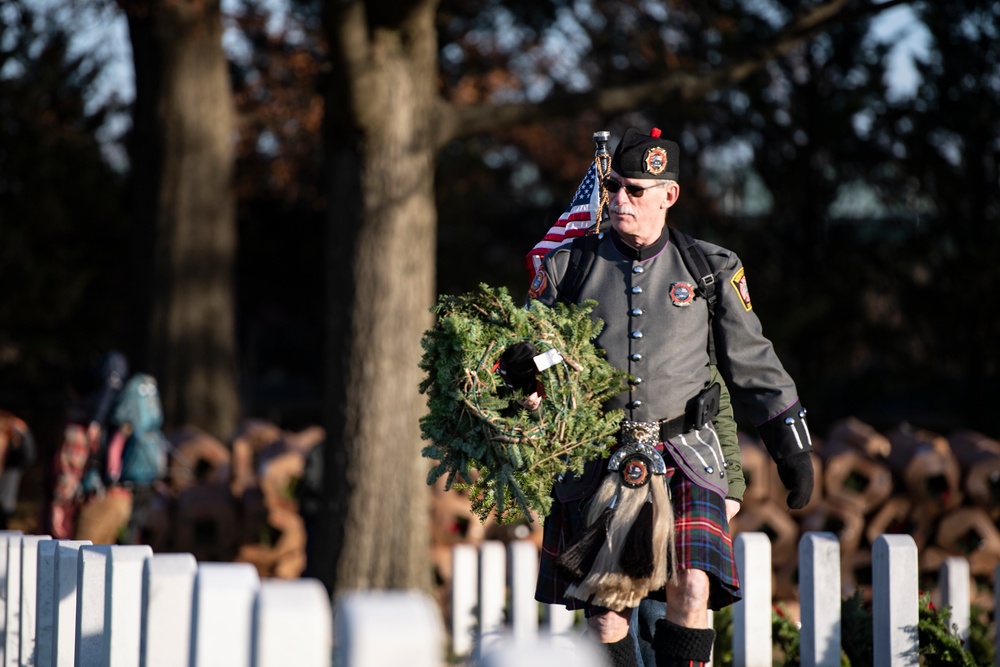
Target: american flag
574,222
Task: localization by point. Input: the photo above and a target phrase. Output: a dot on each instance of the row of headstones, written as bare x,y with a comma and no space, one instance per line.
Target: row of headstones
70,603
482,617
74,603
479,605
895,600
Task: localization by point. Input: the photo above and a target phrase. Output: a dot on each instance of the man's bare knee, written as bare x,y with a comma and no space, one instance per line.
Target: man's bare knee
687,600
609,627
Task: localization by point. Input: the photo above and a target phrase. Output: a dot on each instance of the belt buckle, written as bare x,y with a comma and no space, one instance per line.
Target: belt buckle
639,433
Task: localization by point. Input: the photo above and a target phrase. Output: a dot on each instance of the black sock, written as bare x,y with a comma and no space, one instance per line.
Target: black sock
622,653
678,646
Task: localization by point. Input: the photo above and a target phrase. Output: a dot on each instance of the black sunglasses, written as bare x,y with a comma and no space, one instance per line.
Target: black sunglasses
634,191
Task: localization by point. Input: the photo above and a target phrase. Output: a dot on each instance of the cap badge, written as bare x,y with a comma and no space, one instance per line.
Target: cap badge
655,160
682,294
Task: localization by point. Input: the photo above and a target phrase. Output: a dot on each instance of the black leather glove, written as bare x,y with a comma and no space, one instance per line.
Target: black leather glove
796,473
517,367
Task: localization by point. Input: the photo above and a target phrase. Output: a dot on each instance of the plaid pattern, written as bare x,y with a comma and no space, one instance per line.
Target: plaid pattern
702,542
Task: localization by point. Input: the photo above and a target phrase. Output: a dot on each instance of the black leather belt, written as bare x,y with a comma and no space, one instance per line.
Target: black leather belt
673,427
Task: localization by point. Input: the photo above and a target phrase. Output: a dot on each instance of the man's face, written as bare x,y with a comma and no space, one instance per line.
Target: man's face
639,217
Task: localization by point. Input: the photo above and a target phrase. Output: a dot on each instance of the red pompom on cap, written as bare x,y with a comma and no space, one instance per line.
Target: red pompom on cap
655,132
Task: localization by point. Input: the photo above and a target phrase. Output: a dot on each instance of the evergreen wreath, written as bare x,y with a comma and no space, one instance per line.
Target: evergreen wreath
481,437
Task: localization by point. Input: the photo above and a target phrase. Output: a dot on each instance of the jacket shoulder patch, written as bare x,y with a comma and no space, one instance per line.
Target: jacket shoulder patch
739,283
539,284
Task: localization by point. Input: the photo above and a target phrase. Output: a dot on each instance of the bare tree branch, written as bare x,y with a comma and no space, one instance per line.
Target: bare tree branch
685,85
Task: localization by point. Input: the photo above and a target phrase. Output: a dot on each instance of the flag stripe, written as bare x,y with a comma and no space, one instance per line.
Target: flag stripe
574,222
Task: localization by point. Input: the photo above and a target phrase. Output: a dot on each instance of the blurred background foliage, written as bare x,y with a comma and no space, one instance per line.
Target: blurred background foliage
862,197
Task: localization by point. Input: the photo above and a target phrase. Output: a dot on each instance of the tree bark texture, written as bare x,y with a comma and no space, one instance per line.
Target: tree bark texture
381,286
184,211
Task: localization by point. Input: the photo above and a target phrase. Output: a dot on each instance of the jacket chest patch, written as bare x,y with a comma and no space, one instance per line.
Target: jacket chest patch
681,294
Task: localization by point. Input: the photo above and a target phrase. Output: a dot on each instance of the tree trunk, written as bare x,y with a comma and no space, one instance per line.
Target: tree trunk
385,123
380,288
184,213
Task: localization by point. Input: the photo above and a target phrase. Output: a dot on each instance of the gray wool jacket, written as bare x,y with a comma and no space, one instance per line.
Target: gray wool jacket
656,328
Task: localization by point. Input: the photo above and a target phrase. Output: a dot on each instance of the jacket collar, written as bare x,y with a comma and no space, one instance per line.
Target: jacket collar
640,254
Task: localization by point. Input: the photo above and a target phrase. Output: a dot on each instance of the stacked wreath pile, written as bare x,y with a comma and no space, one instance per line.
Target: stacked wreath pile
481,437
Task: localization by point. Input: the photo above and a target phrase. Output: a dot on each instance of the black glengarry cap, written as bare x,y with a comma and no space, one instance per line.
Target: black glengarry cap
641,155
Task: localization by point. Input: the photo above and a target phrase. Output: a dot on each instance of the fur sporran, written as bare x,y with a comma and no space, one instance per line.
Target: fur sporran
627,549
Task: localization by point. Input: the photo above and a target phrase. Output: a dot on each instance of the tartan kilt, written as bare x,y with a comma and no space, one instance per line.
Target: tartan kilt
700,527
